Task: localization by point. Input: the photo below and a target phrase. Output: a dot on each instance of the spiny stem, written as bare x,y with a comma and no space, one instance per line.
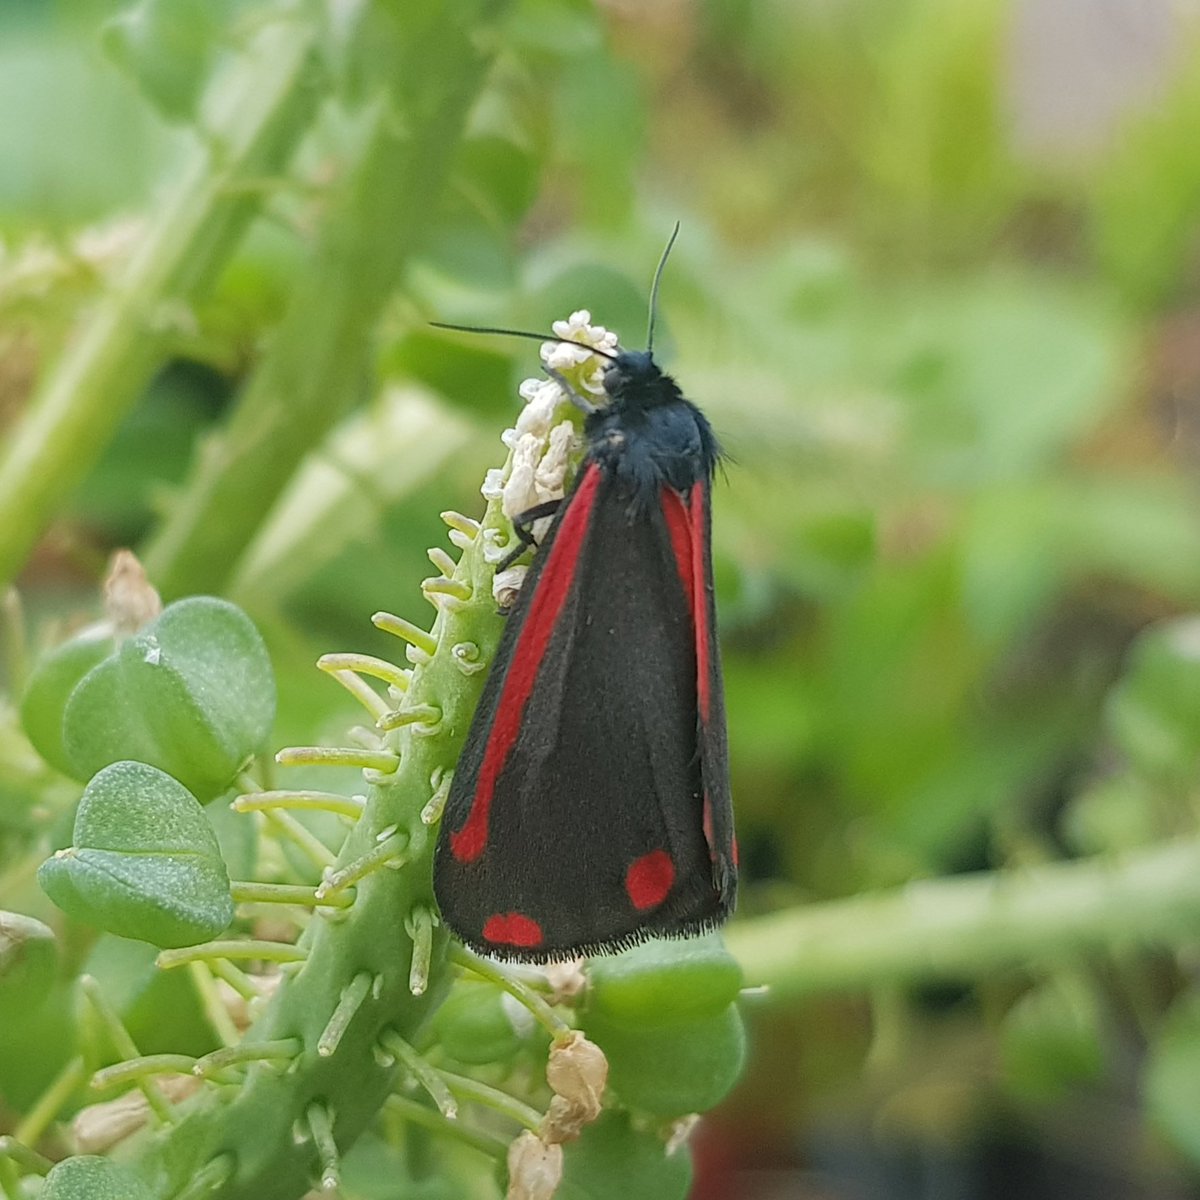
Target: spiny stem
338,756
212,1176
281,1050
250,892
345,806
420,929
421,1071
143,1067
476,1092
413,634
430,1118
388,852
235,948
320,1125
366,695
366,664
214,1008
124,1045
300,836
524,995
352,997
966,926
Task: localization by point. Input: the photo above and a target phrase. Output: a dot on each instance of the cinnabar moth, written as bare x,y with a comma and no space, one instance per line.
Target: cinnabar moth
590,808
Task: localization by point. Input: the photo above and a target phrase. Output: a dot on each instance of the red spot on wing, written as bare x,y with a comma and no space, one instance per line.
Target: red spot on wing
648,880
512,929
709,836
552,587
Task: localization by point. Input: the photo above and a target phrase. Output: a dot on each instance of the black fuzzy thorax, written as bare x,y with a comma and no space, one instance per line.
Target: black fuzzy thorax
649,435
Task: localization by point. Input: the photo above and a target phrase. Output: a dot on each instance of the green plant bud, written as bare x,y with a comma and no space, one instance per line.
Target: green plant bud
88,1177
474,1026
613,1161
145,862
191,694
28,965
1050,1042
664,982
50,685
1154,712
672,1070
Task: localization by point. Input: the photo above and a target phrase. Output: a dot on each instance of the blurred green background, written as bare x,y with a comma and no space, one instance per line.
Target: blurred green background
936,287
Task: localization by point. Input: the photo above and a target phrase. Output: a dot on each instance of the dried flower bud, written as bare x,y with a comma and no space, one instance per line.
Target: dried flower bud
534,1168
566,979
99,1127
577,1072
130,600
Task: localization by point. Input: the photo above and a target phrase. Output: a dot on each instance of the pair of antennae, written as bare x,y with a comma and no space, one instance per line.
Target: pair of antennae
542,337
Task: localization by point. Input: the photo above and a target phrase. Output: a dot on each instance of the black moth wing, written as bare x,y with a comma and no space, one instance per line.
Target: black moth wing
604,774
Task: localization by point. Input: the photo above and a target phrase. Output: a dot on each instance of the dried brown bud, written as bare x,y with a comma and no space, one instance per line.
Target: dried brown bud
577,1072
534,1168
130,600
99,1127
566,978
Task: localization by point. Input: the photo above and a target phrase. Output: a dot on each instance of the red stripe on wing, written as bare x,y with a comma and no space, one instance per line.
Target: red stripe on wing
687,526
676,514
699,594
551,589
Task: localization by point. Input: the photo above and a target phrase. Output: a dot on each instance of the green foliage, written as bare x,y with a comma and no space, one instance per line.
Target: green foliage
145,862
191,694
957,554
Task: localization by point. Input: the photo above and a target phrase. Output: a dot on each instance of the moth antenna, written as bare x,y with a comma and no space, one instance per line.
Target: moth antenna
522,333
662,262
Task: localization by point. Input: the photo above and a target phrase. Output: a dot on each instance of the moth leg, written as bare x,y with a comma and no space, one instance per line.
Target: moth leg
523,524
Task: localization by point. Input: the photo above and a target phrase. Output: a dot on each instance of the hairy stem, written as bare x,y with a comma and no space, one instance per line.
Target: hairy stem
964,927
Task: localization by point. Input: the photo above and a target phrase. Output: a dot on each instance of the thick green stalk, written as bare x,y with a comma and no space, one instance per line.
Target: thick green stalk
969,926
254,1130
318,361
255,114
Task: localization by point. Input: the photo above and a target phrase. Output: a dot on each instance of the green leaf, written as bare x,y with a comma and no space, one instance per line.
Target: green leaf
28,964
192,694
474,1027
674,1069
1050,1041
50,685
1172,1082
664,982
145,863
167,46
89,1177
613,1161
1154,712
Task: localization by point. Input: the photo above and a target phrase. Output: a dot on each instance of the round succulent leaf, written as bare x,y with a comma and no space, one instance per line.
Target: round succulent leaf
192,694
145,862
90,1177
473,1025
672,1070
613,1161
28,964
664,982
50,685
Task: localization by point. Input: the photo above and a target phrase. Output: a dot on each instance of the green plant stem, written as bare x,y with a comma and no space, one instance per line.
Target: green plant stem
319,355
255,113
969,926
